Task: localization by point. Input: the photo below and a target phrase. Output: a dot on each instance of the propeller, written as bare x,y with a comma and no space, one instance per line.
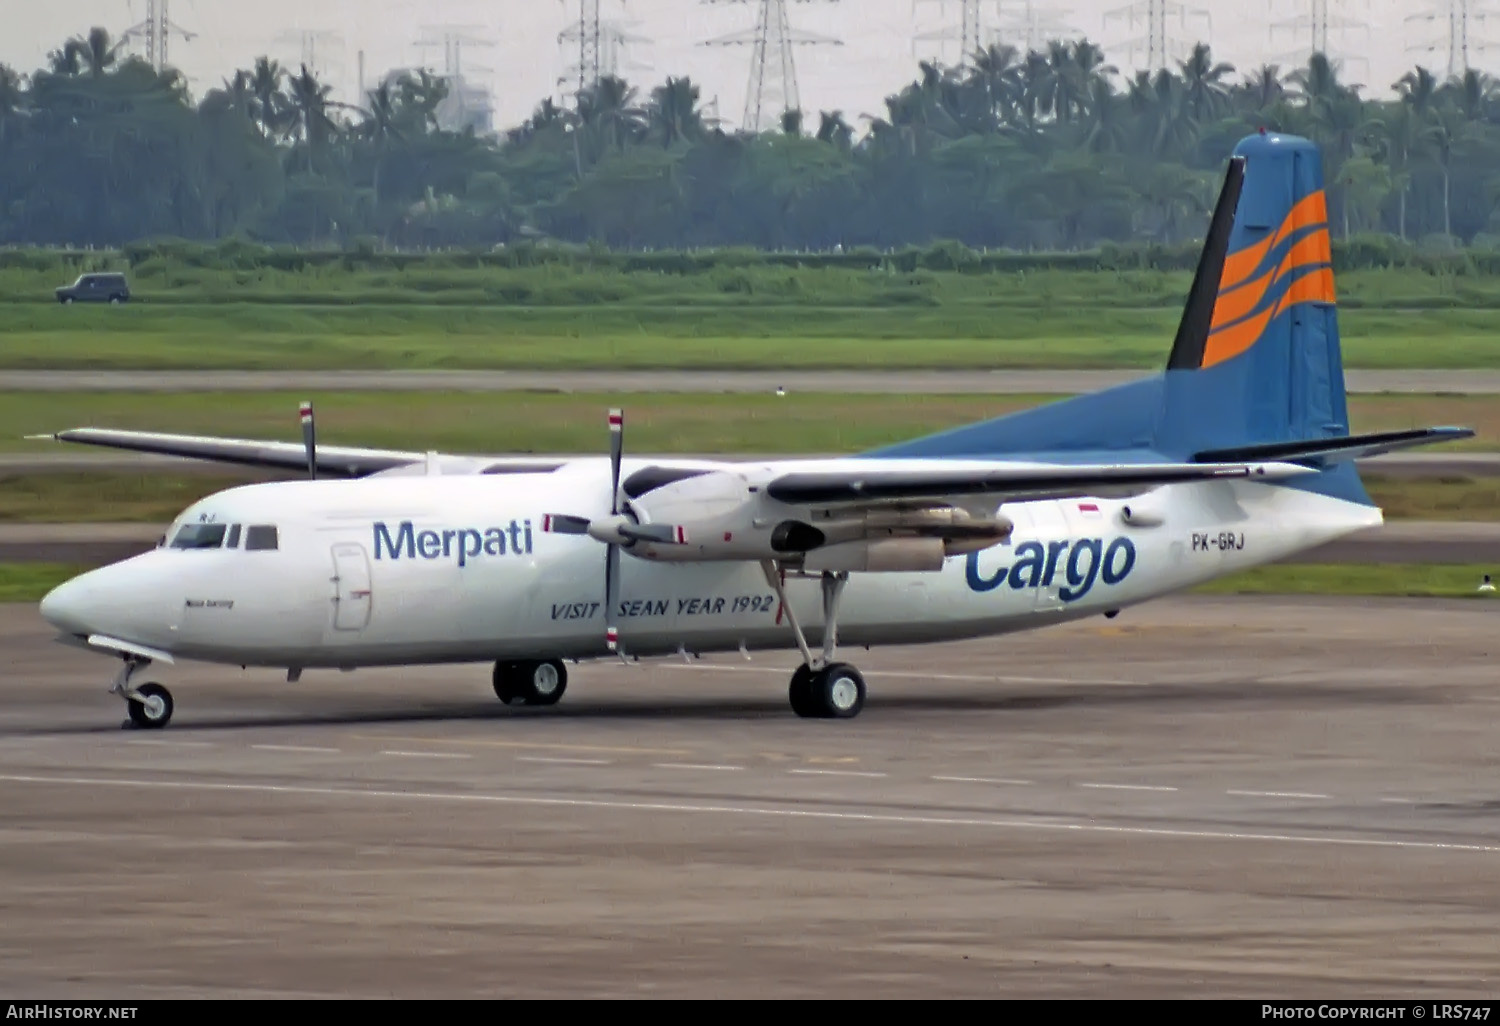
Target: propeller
619,528
309,440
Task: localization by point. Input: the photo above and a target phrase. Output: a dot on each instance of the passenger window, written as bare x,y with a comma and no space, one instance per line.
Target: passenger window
260,537
199,536
234,537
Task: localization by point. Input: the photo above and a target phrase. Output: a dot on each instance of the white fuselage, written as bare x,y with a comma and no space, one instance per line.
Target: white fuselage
408,570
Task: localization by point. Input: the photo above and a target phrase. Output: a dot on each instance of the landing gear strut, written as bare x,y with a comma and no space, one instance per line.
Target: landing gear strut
821,688
530,682
150,705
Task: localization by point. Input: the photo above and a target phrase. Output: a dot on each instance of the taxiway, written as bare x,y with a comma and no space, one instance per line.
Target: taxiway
1224,798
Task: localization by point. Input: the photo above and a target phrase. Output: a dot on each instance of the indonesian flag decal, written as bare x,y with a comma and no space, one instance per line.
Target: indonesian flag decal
1089,509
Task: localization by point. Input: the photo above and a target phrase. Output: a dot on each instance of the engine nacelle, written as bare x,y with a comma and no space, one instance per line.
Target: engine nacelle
879,555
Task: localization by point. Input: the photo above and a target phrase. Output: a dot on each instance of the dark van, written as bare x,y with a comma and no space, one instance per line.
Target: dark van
96,288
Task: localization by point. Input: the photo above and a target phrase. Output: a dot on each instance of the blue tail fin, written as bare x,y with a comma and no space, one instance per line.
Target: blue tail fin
1256,361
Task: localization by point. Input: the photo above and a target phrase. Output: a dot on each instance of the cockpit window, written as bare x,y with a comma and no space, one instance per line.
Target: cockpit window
200,536
234,537
260,536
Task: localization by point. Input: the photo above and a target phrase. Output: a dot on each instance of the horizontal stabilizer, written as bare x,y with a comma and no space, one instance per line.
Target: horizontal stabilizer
1321,451
1014,482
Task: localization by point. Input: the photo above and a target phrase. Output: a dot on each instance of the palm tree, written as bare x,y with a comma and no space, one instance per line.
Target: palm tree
270,105
834,130
307,100
1203,83
673,113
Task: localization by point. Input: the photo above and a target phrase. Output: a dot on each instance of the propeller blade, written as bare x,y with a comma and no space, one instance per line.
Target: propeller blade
309,440
611,596
616,447
561,523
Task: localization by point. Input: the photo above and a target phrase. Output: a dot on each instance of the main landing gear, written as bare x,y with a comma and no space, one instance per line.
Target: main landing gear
530,682
149,705
821,688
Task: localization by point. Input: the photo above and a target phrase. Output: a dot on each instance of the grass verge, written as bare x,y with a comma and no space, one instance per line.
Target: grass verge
1040,330
28,582
467,422
1414,580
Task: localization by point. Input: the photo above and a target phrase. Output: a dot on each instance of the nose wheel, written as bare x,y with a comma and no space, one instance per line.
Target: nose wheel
149,705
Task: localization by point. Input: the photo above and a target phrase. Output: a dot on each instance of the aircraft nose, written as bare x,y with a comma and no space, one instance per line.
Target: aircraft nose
66,606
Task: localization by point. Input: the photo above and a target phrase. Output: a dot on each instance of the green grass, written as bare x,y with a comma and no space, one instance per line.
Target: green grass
1041,330
467,422
28,582
1413,580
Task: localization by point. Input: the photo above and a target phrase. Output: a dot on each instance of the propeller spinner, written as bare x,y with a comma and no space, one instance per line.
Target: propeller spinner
619,528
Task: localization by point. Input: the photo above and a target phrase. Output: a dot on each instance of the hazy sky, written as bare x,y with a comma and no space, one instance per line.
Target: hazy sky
518,55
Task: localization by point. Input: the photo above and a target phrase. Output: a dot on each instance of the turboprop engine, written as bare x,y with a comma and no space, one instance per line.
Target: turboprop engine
720,515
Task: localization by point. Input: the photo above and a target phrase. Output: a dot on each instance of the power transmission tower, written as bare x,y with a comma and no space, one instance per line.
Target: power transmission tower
773,74
1159,44
600,46
970,29
1033,28
156,30
466,105
598,43
1463,18
452,39
1314,26
612,42
315,47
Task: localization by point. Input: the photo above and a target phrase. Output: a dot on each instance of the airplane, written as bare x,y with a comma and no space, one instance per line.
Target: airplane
1237,454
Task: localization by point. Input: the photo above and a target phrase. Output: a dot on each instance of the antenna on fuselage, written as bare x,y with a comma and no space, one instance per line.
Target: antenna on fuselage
310,440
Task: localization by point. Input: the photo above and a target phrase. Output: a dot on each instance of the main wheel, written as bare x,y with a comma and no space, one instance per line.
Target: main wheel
504,680
544,682
154,709
838,692
800,693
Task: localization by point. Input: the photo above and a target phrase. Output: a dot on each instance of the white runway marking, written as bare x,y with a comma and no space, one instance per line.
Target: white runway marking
1398,801
1127,787
295,748
692,766
912,674
985,780
995,823
834,773
171,744
430,755
575,762
1276,794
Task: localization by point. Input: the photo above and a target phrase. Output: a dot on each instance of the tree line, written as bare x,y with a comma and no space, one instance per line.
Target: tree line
1043,150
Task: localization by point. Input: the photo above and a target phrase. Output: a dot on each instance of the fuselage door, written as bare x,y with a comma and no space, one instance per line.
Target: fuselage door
351,581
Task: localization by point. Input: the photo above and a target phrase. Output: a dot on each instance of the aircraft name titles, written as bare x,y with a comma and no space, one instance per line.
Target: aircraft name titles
461,543
713,605
1088,560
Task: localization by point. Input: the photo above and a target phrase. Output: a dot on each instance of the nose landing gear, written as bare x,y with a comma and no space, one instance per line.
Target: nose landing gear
149,705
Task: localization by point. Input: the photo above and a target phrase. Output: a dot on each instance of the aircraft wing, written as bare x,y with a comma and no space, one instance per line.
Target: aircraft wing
877,484
344,462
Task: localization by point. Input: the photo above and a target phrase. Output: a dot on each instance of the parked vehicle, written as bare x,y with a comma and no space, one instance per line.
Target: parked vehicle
96,288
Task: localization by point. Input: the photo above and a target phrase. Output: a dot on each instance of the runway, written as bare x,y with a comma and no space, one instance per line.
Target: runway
1203,798
1400,541
912,382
